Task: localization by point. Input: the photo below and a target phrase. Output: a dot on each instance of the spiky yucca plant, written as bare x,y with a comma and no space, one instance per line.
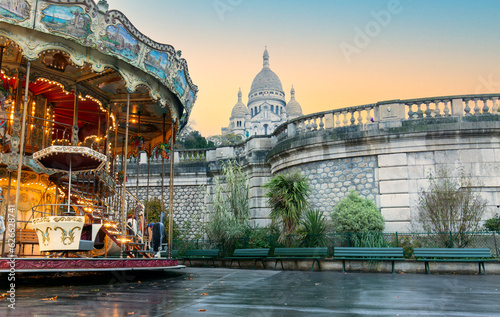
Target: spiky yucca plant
287,196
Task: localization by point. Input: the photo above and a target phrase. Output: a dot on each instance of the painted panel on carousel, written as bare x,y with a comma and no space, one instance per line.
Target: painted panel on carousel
16,10
190,100
69,20
157,63
180,82
121,42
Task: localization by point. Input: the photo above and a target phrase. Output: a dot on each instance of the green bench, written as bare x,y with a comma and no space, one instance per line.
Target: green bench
249,254
164,254
314,254
197,254
479,255
368,254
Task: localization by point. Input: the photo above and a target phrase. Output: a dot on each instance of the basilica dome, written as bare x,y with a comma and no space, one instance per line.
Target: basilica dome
293,108
266,79
239,109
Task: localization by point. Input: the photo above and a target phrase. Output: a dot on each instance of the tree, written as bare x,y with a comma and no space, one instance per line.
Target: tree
355,214
287,196
226,140
194,140
451,205
229,207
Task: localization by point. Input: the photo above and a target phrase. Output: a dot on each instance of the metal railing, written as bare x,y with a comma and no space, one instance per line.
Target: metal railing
407,240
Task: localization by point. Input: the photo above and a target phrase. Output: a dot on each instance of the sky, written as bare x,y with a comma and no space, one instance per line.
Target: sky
335,53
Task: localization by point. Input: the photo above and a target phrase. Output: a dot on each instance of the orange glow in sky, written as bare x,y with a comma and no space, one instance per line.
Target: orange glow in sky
335,53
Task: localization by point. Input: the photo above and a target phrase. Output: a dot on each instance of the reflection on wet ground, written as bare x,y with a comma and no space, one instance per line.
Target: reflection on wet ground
233,292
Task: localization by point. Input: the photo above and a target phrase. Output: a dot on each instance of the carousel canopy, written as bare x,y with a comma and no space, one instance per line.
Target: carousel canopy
87,58
70,158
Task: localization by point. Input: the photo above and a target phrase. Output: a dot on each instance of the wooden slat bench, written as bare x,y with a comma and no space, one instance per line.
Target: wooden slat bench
314,254
26,236
479,255
368,254
249,254
196,254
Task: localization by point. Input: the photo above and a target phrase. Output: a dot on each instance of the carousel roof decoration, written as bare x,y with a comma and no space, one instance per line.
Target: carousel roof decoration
70,27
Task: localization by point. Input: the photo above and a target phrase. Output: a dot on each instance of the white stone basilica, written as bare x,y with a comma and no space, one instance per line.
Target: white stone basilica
266,108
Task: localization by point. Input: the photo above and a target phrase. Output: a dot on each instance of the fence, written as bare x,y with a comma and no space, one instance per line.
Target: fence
406,240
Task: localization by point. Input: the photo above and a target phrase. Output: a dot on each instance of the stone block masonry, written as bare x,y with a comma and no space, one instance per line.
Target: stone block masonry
330,181
189,203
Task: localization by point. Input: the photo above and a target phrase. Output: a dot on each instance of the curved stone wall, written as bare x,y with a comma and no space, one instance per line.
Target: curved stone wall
384,151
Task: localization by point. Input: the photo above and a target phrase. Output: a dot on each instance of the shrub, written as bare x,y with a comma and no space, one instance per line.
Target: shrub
493,224
357,214
367,240
451,205
228,218
313,227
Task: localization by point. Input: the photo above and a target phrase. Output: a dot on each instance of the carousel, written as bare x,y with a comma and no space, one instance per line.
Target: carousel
82,90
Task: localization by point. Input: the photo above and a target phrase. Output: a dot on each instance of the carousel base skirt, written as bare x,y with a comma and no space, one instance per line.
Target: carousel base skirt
60,265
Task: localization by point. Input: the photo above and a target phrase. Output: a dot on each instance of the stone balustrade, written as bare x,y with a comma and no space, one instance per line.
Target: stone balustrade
391,111
191,156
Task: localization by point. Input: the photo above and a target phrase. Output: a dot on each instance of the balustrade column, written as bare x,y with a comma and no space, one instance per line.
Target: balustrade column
344,122
476,107
494,107
420,113
486,109
428,112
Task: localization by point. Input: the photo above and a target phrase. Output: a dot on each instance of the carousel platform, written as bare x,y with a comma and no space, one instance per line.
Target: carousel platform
66,265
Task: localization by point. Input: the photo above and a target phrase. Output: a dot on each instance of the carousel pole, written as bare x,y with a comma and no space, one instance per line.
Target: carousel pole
106,150
171,197
21,147
98,128
115,146
163,167
69,184
125,175
115,165
147,186
140,223
147,196
74,142
138,156
6,204
74,139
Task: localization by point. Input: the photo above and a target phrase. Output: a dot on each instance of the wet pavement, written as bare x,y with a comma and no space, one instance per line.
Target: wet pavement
234,292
